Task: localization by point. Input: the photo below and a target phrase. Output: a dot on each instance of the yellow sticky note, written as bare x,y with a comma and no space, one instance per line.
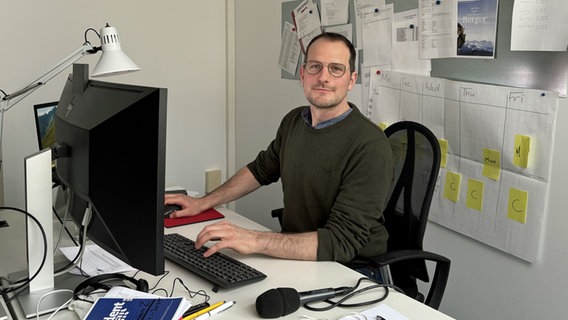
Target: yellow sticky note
443,152
518,200
522,149
474,197
452,186
491,164
383,125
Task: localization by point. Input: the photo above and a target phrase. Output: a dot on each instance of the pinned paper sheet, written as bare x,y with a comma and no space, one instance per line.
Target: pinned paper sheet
443,152
474,197
522,149
517,208
491,164
452,186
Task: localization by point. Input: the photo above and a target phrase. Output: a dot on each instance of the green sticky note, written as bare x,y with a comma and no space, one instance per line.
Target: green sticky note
474,197
491,164
517,208
452,186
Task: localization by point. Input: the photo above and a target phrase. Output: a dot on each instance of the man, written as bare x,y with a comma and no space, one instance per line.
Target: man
335,166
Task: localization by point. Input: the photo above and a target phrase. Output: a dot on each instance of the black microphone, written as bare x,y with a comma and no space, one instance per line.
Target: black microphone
279,302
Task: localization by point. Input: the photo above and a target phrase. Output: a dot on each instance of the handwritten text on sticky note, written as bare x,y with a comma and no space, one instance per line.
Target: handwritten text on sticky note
452,186
491,164
474,197
521,151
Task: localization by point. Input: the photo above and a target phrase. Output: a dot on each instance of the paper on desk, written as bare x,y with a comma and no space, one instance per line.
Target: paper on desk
384,311
96,261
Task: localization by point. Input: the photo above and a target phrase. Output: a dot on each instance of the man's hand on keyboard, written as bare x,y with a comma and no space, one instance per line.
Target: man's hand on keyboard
300,246
228,235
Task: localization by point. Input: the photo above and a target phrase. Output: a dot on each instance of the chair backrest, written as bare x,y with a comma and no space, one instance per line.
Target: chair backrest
416,154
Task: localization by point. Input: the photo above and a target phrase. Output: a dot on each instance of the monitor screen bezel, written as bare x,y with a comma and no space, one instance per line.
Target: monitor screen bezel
38,109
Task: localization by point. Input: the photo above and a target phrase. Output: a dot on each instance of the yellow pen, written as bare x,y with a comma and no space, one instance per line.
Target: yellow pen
202,311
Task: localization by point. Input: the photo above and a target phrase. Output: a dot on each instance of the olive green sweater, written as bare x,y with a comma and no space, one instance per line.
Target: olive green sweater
335,180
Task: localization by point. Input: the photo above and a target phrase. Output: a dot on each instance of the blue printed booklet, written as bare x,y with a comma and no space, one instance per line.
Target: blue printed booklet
137,308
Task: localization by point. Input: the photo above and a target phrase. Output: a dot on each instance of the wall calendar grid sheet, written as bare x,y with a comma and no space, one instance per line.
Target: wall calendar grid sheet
497,145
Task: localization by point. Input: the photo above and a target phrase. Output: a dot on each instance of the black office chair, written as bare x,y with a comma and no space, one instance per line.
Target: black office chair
416,154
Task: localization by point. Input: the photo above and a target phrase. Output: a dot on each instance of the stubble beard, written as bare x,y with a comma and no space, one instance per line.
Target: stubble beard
322,102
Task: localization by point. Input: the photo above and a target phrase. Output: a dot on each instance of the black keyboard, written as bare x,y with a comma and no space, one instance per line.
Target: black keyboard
222,270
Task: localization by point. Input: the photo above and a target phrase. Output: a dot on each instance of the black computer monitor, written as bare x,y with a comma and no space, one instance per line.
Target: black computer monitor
116,139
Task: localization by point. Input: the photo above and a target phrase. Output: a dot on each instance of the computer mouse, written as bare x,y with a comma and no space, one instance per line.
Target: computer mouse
169,208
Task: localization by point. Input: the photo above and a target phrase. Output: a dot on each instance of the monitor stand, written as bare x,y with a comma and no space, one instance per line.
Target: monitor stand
39,202
26,303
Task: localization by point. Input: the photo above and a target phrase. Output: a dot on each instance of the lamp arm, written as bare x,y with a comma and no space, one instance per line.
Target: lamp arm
10,100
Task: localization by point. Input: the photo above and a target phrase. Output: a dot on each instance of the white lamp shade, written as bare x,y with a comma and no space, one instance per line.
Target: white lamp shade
113,60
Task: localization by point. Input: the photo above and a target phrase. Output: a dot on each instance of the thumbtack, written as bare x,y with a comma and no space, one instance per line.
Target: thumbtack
411,26
378,71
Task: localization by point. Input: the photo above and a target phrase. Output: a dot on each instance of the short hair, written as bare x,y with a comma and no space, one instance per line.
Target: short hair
333,37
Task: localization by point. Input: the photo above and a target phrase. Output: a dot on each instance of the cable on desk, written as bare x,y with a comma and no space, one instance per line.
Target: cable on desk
341,302
155,288
66,303
76,262
18,286
15,286
64,220
192,294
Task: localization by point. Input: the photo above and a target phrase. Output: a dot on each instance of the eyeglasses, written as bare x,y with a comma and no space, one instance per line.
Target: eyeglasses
335,69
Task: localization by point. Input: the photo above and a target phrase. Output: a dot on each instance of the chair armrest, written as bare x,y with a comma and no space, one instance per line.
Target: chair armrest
404,255
441,272
277,213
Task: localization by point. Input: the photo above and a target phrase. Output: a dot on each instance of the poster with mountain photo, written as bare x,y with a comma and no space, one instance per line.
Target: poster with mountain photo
477,28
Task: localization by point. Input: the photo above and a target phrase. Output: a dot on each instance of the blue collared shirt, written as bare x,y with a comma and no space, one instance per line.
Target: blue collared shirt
307,115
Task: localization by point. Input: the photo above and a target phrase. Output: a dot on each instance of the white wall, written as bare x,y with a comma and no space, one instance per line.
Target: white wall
485,283
180,45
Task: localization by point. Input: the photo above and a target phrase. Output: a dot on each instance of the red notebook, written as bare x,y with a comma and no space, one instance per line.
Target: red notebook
206,215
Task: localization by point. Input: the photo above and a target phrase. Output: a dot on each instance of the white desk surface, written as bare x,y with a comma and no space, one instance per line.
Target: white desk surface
300,275
3,313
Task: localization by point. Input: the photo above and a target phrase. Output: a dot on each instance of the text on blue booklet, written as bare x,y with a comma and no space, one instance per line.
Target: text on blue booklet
137,308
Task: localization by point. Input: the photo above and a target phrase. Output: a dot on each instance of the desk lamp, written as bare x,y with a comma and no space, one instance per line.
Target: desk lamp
112,62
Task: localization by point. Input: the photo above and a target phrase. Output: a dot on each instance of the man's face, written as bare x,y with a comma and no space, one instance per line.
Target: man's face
323,90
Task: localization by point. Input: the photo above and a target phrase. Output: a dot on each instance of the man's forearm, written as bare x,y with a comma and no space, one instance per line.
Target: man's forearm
239,185
299,246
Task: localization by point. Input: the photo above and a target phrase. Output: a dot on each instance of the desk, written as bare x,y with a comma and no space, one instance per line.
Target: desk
3,314
300,275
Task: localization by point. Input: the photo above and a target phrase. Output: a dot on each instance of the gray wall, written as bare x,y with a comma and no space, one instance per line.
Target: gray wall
484,283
